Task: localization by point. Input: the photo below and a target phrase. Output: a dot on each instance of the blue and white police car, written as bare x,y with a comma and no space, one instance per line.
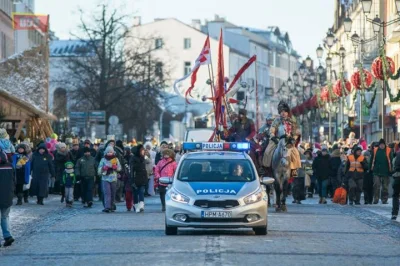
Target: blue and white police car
216,185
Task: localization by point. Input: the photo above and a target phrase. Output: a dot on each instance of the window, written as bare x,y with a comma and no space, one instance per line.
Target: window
240,95
187,43
158,43
187,68
216,170
159,69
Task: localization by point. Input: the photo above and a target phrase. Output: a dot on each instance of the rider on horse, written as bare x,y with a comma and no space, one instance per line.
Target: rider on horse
243,128
284,127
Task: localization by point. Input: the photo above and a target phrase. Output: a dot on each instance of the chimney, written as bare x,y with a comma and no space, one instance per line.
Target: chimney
137,21
196,23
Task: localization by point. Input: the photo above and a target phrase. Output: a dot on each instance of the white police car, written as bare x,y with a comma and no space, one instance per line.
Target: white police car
216,186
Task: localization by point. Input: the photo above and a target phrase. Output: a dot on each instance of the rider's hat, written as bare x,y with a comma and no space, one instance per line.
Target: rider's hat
283,106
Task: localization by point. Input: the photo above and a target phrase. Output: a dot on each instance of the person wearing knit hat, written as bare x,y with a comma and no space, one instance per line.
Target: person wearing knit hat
22,166
368,184
108,169
335,161
61,156
5,143
356,166
69,180
381,165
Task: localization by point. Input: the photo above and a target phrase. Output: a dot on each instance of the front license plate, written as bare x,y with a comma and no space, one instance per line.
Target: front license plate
217,214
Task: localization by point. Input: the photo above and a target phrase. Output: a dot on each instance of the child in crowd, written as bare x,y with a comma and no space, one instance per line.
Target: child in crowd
69,181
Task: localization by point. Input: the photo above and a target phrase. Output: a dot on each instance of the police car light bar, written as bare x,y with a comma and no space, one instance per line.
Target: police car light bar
216,146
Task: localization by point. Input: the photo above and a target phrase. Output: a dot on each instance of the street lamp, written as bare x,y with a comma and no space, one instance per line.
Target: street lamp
355,39
320,52
328,61
366,5
342,51
330,39
348,23
295,77
302,70
312,76
308,62
289,82
376,24
320,70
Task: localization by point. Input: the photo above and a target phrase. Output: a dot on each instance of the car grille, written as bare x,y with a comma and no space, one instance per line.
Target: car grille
225,204
216,220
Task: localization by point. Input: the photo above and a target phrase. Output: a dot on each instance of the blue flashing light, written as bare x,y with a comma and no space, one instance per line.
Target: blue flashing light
216,146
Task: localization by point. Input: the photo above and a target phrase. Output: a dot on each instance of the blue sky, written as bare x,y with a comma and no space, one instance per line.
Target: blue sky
306,20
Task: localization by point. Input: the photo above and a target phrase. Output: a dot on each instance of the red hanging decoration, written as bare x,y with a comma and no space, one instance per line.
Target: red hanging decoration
356,79
337,88
377,68
325,94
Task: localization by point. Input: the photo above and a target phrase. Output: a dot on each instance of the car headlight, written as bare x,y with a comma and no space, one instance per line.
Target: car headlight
253,198
178,197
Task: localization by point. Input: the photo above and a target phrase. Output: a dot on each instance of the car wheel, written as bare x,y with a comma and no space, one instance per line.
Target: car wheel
260,231
171,230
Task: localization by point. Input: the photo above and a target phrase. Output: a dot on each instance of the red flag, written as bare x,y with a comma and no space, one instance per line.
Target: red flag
220,89
241,71
203,59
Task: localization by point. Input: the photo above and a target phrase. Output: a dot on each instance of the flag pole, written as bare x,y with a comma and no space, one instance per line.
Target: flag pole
212,85
257,103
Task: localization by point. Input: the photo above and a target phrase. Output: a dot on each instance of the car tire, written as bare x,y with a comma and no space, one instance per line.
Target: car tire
260,231
171,230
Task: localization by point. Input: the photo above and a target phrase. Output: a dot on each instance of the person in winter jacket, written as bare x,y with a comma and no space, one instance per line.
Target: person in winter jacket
86,170
69,180
307,164
120,152
42,169
126,180
75,156
87,144
108,169
7,184
381,165
5,143
334,164
368,183
299,181
355,168
61,156
149,168
396,187
139,177
165,168
321,168
22,166
163,146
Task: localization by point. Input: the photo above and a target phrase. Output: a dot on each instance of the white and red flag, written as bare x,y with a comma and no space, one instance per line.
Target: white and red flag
203,59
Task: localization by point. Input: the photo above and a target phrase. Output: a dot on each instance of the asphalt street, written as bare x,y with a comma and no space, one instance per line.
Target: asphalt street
308,234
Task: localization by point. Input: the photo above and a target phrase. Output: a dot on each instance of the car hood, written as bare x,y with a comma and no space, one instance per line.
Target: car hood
203,190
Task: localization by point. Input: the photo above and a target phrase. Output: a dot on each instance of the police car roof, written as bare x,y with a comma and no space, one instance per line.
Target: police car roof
225,155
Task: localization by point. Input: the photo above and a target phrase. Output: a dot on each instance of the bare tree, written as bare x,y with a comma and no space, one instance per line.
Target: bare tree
124,80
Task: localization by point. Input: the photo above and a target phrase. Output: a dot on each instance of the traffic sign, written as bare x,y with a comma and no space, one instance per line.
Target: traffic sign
113,120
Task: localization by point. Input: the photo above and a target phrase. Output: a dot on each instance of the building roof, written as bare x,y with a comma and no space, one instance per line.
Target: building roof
71,48
276,38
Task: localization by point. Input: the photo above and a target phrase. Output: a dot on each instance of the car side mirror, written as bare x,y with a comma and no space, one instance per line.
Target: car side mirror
166,180
267,181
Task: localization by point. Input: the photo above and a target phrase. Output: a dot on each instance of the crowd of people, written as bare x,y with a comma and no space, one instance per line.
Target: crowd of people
113,172
358,170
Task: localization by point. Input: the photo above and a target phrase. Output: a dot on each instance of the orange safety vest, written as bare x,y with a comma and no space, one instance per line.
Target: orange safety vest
387,156
355,165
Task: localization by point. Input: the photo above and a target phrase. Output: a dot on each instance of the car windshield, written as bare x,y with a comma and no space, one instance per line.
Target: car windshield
202,170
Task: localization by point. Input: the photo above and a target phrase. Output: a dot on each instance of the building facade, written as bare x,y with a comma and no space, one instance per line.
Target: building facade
371,118
6,29
26,39
180,44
